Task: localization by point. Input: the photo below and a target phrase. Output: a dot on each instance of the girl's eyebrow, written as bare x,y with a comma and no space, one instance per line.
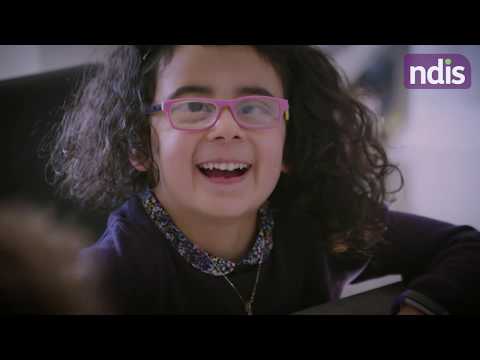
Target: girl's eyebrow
189,89
253,90
208,91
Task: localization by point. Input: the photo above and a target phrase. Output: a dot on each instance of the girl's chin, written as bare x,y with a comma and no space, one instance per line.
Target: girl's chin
225,209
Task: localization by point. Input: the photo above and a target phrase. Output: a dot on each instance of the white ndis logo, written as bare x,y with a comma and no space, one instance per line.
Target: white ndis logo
437,71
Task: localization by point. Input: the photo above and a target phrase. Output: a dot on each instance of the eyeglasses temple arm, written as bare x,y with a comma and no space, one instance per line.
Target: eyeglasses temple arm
154,109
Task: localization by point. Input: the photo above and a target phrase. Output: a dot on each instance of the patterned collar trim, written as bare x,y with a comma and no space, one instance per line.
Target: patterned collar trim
199,258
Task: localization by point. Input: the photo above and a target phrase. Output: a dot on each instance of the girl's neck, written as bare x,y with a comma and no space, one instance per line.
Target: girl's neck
228,239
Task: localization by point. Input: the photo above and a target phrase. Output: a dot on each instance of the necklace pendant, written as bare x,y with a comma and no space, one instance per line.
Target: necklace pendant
248,308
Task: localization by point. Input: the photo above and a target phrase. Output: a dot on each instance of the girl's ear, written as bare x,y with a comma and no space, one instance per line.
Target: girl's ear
137,163
284,168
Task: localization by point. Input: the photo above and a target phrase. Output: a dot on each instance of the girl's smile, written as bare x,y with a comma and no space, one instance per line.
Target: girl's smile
224,171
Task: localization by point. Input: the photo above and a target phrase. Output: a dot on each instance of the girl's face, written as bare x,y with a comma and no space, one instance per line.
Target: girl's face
220,72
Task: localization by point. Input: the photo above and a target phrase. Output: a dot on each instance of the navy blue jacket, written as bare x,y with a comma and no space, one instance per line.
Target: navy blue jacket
143,274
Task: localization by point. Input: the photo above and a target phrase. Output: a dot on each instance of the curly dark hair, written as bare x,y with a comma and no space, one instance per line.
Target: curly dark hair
337,166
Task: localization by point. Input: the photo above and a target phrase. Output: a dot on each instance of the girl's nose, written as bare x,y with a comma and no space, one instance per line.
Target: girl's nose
226,127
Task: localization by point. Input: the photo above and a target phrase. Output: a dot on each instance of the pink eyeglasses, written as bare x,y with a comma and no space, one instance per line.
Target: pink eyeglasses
250,112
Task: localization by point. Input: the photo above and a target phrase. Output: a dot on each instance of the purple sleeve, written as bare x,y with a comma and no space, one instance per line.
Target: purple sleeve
439,262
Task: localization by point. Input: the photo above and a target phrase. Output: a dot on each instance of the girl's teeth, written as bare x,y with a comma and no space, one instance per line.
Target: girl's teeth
224,166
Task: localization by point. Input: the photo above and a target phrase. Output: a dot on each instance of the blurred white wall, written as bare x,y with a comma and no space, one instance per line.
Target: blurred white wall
21,60
438,148
18,60
436,142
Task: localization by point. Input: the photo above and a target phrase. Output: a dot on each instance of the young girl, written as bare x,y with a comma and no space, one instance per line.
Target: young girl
251,183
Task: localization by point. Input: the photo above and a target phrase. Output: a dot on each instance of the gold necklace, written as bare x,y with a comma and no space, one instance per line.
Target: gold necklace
247,304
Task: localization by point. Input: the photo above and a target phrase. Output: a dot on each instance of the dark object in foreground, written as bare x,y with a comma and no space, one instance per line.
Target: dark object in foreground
375,302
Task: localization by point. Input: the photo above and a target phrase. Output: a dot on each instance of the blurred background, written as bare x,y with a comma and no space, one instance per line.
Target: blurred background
432,135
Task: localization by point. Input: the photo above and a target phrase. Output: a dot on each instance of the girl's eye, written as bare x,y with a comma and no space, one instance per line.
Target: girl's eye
193,107
196,106
245,110
255,108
